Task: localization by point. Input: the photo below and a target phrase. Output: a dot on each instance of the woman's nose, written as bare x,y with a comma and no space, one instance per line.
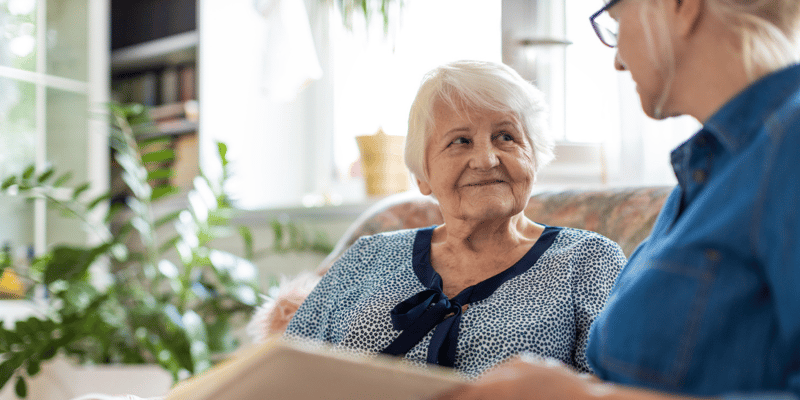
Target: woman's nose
484,157
618,64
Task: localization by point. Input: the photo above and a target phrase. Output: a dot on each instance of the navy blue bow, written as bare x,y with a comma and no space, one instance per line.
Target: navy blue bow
420,313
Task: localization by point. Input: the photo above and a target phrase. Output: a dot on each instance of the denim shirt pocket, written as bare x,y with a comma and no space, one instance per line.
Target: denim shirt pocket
652,322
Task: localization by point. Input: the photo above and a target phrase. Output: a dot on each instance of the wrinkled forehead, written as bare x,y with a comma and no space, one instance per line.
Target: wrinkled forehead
465,108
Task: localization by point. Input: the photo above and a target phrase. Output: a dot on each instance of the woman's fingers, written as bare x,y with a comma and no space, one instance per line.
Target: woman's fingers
524,378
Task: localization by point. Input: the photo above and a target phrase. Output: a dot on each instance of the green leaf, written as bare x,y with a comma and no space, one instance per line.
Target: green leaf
197,334
49,352
62,179
79,190
10,336
44,176
158,141
277,231
21,388
99,199
27,327
160,173
163,191
247,239
139,188
10,181
168,218
28,172
169,244
7,369
222,150
68,262
158,156
194,326
116,109
113,210
33,367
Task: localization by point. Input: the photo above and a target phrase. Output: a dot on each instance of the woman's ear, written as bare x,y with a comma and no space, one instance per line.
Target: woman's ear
424,188
686,15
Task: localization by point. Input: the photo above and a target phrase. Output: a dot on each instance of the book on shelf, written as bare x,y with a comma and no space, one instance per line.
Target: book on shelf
155,86
169,85
140,88
187,82
187,110
279,369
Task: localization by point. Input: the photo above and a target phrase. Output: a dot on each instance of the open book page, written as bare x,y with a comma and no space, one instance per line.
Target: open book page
279,369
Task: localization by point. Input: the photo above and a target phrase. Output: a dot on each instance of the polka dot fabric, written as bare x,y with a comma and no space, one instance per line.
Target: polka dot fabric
546,310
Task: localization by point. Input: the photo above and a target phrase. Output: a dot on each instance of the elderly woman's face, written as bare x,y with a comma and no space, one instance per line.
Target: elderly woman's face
480,165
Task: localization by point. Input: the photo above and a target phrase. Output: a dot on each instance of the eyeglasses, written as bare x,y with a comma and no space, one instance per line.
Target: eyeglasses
604,26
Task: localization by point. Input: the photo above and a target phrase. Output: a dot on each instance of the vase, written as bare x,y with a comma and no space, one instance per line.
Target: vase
60,379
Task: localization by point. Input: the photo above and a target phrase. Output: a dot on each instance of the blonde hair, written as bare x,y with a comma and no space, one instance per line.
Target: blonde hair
483,85
768,31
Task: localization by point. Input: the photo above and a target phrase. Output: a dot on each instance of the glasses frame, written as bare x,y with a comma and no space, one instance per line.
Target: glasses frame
596,28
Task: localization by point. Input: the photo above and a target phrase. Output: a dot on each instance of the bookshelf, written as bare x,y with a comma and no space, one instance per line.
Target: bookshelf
154,62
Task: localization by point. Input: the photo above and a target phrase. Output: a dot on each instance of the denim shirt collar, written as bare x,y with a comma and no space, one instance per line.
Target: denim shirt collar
729,130
739,121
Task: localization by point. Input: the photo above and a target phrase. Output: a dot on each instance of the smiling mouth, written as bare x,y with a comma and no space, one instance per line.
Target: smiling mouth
485,183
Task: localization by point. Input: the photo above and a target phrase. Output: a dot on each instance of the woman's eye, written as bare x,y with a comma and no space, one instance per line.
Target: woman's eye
460,140
507,137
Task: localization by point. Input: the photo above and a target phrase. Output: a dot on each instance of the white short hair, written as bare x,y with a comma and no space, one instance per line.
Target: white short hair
482,85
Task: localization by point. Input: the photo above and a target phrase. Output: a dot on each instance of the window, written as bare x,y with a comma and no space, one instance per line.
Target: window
305,152
52,69
602,107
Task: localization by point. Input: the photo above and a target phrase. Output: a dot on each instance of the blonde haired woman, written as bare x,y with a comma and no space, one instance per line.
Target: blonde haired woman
709,305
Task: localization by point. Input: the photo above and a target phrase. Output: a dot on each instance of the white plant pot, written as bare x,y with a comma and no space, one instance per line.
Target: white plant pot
61,380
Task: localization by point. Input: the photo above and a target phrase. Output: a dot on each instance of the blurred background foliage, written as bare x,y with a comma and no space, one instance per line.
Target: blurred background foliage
172,301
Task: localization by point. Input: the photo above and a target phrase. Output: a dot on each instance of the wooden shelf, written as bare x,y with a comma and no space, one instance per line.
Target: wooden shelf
175,49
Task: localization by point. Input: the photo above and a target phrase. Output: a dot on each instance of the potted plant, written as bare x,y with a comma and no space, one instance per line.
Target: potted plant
172,302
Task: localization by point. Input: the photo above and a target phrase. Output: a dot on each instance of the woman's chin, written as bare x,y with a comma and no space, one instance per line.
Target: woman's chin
490,208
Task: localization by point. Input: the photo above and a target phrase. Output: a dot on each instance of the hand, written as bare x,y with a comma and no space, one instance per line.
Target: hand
529,378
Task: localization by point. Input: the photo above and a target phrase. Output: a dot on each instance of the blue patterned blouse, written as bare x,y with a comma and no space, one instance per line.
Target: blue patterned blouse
382,295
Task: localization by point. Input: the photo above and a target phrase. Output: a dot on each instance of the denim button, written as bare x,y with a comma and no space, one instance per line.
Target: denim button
699,176
712,255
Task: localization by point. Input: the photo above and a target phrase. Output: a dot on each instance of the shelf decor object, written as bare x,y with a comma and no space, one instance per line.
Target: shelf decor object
382,163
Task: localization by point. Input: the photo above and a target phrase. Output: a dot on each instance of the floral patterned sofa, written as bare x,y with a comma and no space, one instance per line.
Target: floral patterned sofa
625,215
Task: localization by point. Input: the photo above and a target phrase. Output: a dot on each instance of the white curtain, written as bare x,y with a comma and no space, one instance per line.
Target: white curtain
290,58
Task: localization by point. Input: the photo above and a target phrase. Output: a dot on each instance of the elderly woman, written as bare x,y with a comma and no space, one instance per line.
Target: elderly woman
488,283
709,304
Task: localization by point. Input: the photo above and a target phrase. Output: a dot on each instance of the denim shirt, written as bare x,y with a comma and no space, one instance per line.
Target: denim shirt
709,304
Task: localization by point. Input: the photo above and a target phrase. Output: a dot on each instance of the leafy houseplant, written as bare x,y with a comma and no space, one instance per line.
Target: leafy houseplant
173,302
369,8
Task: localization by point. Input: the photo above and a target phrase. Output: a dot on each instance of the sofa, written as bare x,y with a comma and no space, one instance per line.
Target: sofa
625,215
